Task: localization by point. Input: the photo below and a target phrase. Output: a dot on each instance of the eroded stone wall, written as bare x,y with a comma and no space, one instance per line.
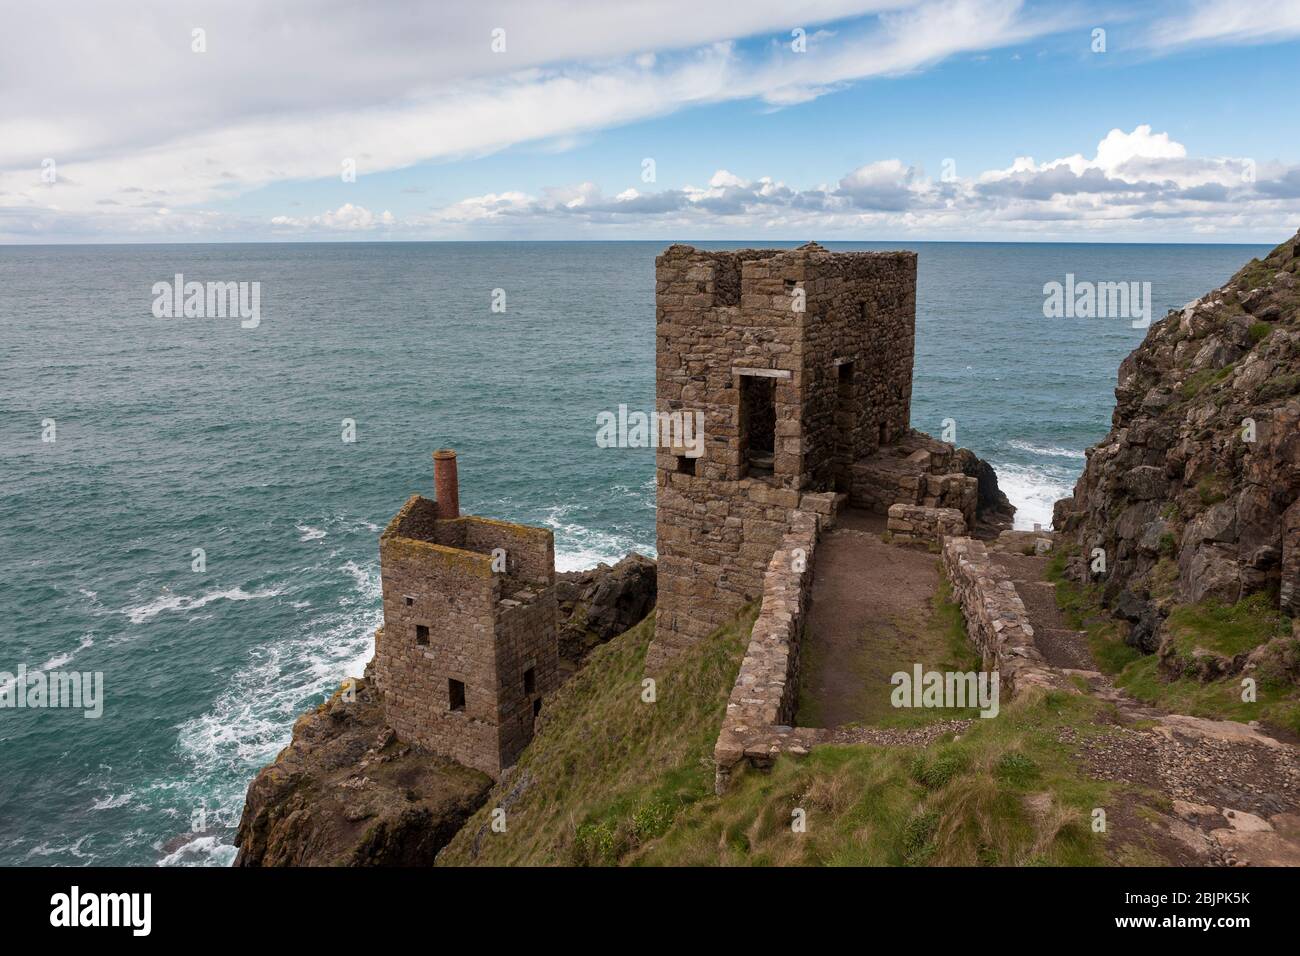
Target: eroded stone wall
996,620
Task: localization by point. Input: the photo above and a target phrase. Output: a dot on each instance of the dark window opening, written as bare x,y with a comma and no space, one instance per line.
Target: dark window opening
758,423
530,681
537,706
883,434
845,380
685,465
455,694
421,634
410,601
864,312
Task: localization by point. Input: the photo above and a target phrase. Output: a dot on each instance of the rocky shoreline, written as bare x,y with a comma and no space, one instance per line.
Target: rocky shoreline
347,792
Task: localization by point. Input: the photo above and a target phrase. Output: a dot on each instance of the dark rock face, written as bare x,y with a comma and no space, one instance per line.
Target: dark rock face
347,792
602,602
1195,493
992,507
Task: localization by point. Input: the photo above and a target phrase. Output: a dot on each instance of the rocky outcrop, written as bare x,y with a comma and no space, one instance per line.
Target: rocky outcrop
1195,492
601,603
347,792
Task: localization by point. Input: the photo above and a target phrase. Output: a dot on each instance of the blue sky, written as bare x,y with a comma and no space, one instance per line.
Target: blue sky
957,119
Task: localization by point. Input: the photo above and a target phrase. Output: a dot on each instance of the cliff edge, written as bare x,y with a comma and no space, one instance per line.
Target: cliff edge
1194,495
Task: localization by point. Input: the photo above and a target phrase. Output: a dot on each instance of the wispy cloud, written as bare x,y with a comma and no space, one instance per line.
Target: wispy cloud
262,105
1228,21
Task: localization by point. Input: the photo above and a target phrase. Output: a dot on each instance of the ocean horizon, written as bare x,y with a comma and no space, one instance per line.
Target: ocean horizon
279,451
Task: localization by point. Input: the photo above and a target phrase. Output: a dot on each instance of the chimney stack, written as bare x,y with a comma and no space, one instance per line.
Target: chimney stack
445,484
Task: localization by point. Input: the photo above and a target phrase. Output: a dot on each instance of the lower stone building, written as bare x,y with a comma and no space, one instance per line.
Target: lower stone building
467,652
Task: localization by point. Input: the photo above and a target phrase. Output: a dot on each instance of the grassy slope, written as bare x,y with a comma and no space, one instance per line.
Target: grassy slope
616,780
1006,793
1225,629
607,769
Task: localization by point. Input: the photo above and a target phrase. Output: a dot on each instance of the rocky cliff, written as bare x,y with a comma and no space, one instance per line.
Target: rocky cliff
348,792
1194,494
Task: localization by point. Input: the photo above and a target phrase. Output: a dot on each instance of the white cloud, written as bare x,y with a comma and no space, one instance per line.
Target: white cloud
347,216
1138,181
1229,21
133,116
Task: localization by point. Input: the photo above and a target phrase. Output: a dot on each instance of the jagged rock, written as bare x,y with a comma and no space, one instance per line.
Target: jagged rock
1203,456
347,792
601,603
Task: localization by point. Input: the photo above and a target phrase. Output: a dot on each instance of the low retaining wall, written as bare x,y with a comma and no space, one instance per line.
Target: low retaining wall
757,726
996,619
912,523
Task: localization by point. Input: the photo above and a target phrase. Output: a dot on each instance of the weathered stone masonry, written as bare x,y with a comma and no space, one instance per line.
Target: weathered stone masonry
466,653
801,363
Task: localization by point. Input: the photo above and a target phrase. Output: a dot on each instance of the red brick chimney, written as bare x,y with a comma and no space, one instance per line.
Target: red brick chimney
445,484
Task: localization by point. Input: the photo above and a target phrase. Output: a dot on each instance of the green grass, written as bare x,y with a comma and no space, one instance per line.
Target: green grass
1197,382
1224,629
1227,629
608,770
1259,331
961,803
1081,607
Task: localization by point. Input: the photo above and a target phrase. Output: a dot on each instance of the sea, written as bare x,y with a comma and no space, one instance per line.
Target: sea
191,507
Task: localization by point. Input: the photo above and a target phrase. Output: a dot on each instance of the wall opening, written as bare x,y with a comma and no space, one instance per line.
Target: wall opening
685,465
530,681
410,601
757,424
421,634
455,694
537,706
846,421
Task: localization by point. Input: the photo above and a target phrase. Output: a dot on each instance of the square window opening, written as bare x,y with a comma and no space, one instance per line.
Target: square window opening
685,465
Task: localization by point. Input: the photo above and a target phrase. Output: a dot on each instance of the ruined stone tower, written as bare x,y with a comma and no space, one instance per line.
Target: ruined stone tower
801,362
467,651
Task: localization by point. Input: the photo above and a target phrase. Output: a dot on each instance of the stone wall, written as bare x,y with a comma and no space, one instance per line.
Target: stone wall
911,524
996,619
761,708
840,372
916,470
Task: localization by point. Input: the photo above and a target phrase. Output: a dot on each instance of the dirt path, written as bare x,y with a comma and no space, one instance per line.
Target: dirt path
870,617
1234,791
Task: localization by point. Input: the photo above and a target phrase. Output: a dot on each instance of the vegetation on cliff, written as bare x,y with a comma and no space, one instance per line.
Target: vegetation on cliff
613,780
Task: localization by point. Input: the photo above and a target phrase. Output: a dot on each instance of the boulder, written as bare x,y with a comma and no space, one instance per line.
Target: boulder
601,603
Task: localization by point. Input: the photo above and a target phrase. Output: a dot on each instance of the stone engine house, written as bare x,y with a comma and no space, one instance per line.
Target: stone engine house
801,363
467,651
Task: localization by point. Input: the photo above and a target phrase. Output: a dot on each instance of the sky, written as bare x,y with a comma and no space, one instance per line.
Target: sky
874,120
